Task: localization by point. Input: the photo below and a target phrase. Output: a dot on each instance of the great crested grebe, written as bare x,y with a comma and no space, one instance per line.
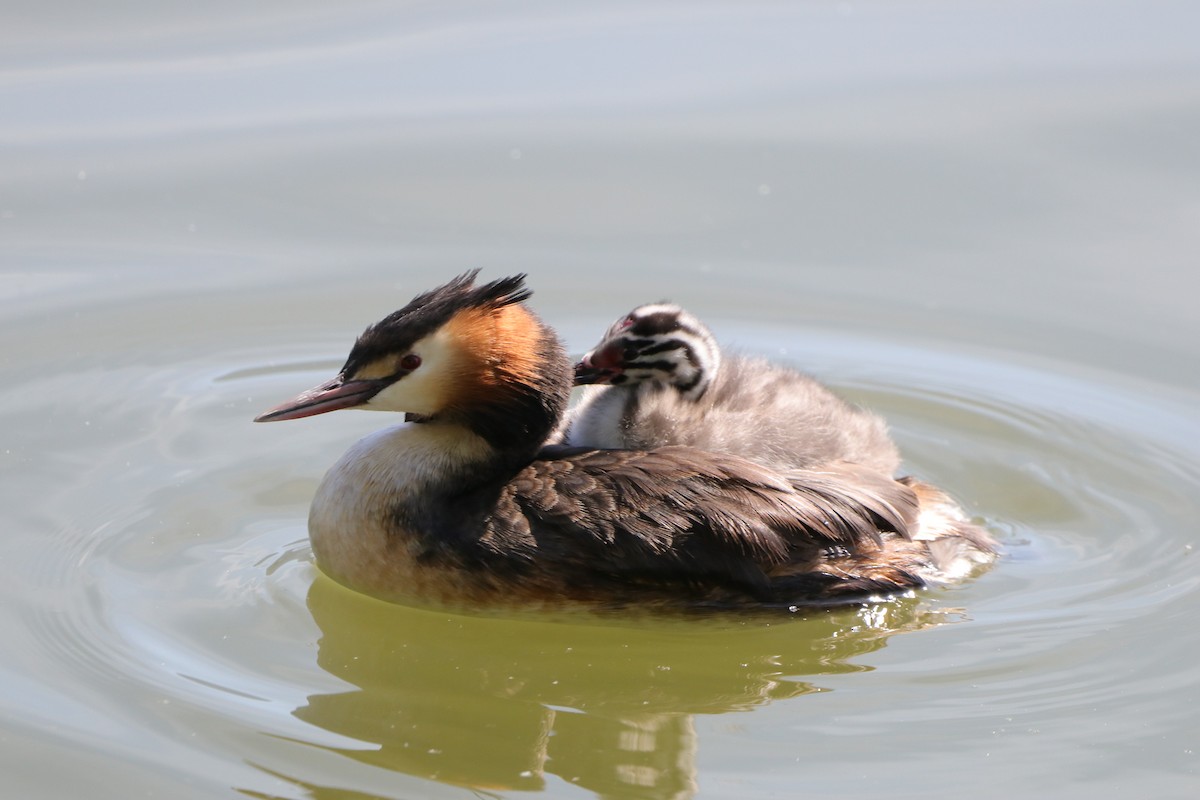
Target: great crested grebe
658,378
462,506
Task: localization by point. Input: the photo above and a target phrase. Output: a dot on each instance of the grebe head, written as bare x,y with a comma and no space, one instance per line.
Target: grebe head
460,353
655,343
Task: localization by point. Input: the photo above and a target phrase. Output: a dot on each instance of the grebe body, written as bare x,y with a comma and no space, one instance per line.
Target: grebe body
658,377
461,505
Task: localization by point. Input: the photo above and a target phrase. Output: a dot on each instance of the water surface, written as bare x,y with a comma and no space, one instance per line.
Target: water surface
981,221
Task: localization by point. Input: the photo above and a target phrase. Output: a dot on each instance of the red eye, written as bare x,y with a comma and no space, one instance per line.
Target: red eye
625,323
410,362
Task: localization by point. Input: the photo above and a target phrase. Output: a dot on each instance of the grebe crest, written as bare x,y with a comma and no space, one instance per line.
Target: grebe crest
459,353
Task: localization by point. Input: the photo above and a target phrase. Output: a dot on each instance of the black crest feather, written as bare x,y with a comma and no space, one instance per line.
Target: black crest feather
429,310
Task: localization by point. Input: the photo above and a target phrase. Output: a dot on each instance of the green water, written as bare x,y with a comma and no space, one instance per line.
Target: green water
979,220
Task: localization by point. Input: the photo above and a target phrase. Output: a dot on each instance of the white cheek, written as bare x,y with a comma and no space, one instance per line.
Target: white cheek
415,392
422,391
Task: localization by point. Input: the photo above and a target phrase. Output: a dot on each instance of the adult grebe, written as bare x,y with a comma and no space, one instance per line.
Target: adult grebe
461,505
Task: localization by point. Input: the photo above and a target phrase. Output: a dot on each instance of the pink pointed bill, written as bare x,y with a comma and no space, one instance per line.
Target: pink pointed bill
329,396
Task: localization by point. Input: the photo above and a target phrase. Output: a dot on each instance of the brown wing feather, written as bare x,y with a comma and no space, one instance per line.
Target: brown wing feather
674,517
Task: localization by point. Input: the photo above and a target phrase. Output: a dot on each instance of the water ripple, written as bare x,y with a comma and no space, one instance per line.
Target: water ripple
191,598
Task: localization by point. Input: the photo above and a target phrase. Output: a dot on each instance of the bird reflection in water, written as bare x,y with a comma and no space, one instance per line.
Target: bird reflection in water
603,703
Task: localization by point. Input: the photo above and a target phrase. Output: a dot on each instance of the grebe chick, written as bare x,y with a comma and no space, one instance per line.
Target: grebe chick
661,379
459,507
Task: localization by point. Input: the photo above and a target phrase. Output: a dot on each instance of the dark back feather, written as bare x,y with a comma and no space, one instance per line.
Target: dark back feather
679,519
